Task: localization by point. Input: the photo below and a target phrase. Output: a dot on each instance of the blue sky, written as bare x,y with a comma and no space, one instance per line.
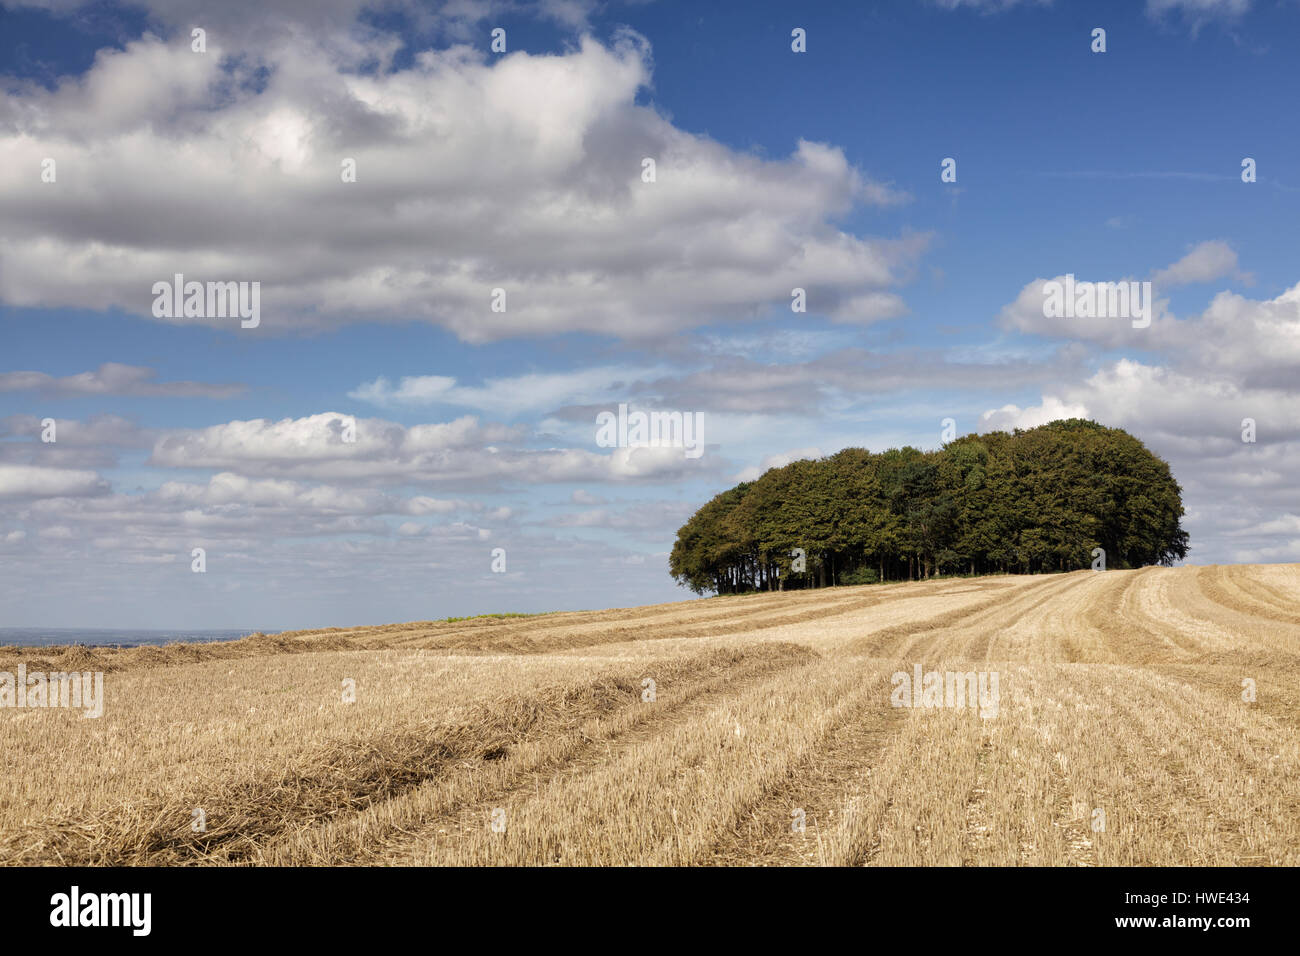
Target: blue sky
523,171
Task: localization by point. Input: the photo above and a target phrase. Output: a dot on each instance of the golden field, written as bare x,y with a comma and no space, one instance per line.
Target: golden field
1121,737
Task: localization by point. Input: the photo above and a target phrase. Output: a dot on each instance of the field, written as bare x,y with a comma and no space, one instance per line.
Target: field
1124,734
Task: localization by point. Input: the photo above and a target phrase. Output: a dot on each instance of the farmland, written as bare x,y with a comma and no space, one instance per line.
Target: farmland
1144,717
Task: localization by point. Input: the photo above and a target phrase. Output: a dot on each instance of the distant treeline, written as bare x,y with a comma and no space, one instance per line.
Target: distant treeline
1036,500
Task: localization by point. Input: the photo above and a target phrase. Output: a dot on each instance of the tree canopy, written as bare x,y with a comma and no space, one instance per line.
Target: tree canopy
1035,500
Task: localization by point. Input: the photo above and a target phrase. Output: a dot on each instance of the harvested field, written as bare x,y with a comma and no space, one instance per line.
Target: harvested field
1120,733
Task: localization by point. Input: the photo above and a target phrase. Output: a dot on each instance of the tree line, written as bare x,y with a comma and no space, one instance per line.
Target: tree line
1035,500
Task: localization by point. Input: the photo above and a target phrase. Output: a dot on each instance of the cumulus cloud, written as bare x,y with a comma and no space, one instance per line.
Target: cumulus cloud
1258,340
776,461
239,512
462,452
322,438
520,173
1160,401
1206,262
1010,417
227,488
34,481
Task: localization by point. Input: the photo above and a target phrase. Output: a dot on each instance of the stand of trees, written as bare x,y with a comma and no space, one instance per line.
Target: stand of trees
1036,500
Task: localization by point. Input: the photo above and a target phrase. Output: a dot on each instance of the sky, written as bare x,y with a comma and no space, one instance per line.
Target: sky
463,259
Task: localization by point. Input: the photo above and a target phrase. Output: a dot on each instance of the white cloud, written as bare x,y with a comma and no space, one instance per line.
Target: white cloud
1256,340
1206,262
1026,314
1010,417
34,481
227,488
461,452
520,172
1253,338
776,461
317,438
1240,495
1160,401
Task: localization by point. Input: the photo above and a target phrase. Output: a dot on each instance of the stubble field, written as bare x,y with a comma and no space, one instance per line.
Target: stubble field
1124,734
